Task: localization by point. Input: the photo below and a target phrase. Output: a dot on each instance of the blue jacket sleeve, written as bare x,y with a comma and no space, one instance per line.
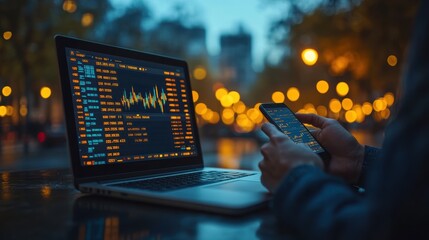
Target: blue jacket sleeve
319,206
371,155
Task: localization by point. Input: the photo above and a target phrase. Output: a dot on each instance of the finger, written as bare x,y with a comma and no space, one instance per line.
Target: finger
267,179
313,119
271,131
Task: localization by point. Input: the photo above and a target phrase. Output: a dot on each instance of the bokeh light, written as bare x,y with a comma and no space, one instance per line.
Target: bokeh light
350,116
347,104
235,96
7,35
45,92
6,91
220,92
322,110
226,101
201,108
392,60
278,97
200,73
69,6
293,94
309,56
195,96
379,104
322,86
3,111
342,88
367,108
87,19
239,107
335,105
389,98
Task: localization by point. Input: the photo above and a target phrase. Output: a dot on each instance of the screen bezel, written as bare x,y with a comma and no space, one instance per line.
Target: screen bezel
89,173
324,155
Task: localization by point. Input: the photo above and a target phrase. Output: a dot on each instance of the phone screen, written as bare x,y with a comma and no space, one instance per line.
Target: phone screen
286,121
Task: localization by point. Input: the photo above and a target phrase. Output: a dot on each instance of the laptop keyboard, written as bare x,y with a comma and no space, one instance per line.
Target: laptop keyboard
183,180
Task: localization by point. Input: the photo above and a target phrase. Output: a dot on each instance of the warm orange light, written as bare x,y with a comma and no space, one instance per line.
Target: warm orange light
389,98
322,111
392,60
379,104
69,6
227,121
3,111
322,86
339,65
367,108
9,110
309,56
7,35
309,108
220,92
342,88
87,19
335,105
351,116
292,94
23,111
226,101
235,96
6,91
239,107
215,118
278,97
200,73
385,114
253,114
360,116
201,108
45,92
228,113
195,96
347,103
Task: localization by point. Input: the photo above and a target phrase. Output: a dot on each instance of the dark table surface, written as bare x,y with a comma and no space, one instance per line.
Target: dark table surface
44,205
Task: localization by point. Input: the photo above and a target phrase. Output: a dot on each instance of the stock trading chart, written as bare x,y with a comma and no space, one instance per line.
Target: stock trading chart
129,110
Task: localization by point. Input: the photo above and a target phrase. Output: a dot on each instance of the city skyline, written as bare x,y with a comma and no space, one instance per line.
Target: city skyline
253,16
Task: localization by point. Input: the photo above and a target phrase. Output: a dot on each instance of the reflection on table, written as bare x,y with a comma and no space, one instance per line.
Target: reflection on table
44,204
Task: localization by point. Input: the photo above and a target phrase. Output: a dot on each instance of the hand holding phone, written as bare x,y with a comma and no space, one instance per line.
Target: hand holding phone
285,120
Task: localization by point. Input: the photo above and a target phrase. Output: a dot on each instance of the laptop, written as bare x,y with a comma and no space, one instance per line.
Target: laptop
132,132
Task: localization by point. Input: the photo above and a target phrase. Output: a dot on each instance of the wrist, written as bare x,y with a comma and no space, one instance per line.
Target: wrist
359,161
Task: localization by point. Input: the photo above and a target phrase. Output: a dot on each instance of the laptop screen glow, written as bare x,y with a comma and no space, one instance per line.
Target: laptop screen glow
129,110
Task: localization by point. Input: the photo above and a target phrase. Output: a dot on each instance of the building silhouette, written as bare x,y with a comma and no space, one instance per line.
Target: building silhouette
235,60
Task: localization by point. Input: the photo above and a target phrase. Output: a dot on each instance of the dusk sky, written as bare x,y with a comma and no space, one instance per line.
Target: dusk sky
223,16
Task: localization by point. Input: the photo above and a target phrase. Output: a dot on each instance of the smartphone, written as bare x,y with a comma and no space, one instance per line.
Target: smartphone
285,120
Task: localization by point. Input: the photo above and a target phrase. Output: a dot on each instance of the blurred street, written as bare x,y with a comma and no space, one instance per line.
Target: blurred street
235,153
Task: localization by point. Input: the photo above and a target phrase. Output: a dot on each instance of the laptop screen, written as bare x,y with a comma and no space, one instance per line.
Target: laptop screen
129,110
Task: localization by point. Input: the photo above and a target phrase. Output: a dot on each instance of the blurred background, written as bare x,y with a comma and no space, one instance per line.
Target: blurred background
337,58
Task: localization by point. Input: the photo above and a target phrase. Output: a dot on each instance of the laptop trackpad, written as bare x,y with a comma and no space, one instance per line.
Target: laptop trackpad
242,186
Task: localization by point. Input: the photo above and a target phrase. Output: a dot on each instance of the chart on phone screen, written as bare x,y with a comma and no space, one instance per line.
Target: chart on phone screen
291,126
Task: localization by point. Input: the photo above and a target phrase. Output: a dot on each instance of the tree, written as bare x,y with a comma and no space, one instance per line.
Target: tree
28,57
353,39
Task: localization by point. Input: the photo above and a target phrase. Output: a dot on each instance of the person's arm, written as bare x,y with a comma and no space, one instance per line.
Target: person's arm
318,206
307,200
371,155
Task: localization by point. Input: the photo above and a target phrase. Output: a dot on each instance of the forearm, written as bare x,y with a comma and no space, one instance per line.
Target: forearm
371,155
317,206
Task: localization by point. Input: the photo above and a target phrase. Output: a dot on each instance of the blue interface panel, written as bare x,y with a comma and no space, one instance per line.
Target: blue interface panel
293,128
129,110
